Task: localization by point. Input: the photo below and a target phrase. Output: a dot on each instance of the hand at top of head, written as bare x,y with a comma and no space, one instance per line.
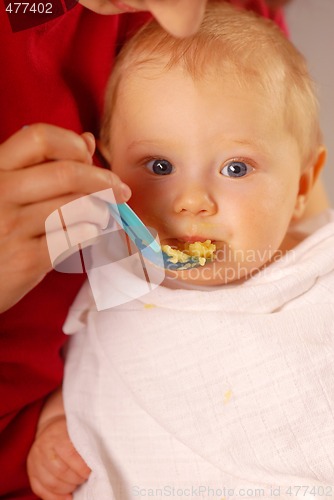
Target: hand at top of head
181,18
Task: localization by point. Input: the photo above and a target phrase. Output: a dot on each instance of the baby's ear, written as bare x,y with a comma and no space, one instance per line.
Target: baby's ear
307,180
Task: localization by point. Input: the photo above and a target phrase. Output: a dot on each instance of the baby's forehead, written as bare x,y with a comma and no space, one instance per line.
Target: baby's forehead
217,104
269,87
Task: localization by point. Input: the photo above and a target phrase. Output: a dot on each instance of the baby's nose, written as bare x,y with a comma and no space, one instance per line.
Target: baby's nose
195,200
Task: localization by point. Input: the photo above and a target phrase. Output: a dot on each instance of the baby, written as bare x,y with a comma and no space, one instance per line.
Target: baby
219,383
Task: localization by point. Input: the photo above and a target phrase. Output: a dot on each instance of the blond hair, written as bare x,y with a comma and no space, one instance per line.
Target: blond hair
230,43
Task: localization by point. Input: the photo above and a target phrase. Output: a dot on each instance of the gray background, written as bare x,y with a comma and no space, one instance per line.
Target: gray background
311,25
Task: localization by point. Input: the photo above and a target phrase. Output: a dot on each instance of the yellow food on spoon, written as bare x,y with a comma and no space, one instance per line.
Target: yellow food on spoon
203,251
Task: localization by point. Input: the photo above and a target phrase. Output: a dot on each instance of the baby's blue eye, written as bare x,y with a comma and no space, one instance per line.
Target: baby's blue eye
236,169
160,167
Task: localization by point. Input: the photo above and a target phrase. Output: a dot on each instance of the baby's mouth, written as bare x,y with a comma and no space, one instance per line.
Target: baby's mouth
190,253
180,242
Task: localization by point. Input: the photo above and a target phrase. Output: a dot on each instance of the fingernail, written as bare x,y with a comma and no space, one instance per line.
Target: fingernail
126,191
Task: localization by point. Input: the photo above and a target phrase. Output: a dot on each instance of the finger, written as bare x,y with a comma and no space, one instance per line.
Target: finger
55,474
30,260
69,455
51,481
68,473
43,481
40,142
45,493
32,220
182,20
52,473
51,180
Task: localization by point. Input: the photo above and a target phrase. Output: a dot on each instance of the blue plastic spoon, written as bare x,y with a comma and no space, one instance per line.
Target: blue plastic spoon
143,238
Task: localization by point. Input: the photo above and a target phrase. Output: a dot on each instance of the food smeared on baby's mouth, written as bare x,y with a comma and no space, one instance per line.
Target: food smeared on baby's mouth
199,251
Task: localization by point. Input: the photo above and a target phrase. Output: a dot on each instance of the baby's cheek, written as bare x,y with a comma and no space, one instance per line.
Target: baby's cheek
143,204
257,243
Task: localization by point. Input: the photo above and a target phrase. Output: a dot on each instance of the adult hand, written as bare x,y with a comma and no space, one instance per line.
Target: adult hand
181,18
55,469
42,167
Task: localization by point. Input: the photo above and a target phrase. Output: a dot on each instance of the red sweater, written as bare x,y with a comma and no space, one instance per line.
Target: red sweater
54,73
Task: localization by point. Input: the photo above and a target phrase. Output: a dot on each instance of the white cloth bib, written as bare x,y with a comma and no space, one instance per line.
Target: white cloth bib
221,394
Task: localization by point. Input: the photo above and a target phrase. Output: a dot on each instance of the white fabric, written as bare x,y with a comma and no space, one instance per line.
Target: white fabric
221,394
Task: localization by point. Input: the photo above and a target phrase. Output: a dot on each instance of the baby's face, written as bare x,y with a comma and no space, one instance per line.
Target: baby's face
207,160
